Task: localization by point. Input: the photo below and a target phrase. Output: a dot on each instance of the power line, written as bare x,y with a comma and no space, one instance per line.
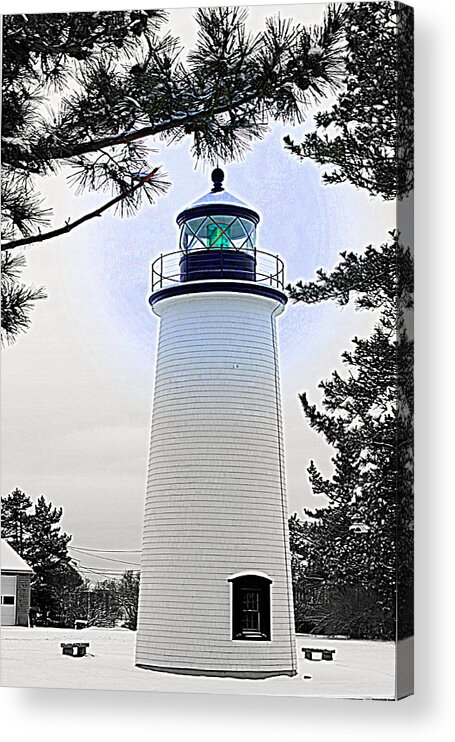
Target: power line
84,568
107,559
95,572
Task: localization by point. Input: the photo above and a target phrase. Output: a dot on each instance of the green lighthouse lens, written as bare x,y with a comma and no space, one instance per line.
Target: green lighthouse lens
217,237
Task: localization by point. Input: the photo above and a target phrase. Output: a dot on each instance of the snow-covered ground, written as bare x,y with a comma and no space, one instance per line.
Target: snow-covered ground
33,658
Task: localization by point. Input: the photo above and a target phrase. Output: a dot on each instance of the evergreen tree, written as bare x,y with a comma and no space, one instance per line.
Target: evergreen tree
47,544
362,542
38,538
366,137
366,417
17,299
86,91
118,78
16,519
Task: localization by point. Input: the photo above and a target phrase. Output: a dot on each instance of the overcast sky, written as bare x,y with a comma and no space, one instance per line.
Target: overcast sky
77,388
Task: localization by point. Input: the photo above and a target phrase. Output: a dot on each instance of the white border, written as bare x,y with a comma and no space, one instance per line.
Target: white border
68,716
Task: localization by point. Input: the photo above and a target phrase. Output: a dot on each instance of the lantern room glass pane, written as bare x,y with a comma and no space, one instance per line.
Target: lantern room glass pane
189,236
218,236
218,233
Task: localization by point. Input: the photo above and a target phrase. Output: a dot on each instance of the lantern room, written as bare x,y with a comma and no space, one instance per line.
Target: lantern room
217,236
217,242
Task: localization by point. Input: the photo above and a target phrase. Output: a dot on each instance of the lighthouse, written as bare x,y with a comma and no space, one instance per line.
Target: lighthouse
216,591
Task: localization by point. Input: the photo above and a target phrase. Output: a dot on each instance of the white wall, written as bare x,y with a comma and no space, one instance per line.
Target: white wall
216,501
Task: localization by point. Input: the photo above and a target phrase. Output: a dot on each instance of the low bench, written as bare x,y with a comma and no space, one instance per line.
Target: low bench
326,654
75,649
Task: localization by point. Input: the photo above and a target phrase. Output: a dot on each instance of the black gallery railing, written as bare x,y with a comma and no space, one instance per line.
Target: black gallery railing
200,265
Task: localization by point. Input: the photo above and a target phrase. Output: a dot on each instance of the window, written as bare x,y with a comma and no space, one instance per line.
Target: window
251,608
7,599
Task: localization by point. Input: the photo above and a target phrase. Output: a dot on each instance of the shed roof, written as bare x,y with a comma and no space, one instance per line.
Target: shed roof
10,561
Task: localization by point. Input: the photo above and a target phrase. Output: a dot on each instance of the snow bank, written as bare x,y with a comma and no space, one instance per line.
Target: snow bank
32,658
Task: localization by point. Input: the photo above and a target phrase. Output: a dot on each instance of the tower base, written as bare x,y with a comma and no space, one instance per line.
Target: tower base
239,674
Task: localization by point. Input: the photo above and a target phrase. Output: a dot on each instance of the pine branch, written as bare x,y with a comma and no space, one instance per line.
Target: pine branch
42,236
152,130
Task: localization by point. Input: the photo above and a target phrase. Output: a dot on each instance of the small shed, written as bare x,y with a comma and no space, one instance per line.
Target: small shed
15,587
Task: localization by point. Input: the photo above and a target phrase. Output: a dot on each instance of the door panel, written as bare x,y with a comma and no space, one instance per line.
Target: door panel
8,600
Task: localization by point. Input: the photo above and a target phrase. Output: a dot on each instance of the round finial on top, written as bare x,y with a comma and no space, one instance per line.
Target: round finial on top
217,178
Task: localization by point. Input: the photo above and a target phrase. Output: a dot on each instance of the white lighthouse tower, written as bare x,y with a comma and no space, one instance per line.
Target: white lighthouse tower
216,592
